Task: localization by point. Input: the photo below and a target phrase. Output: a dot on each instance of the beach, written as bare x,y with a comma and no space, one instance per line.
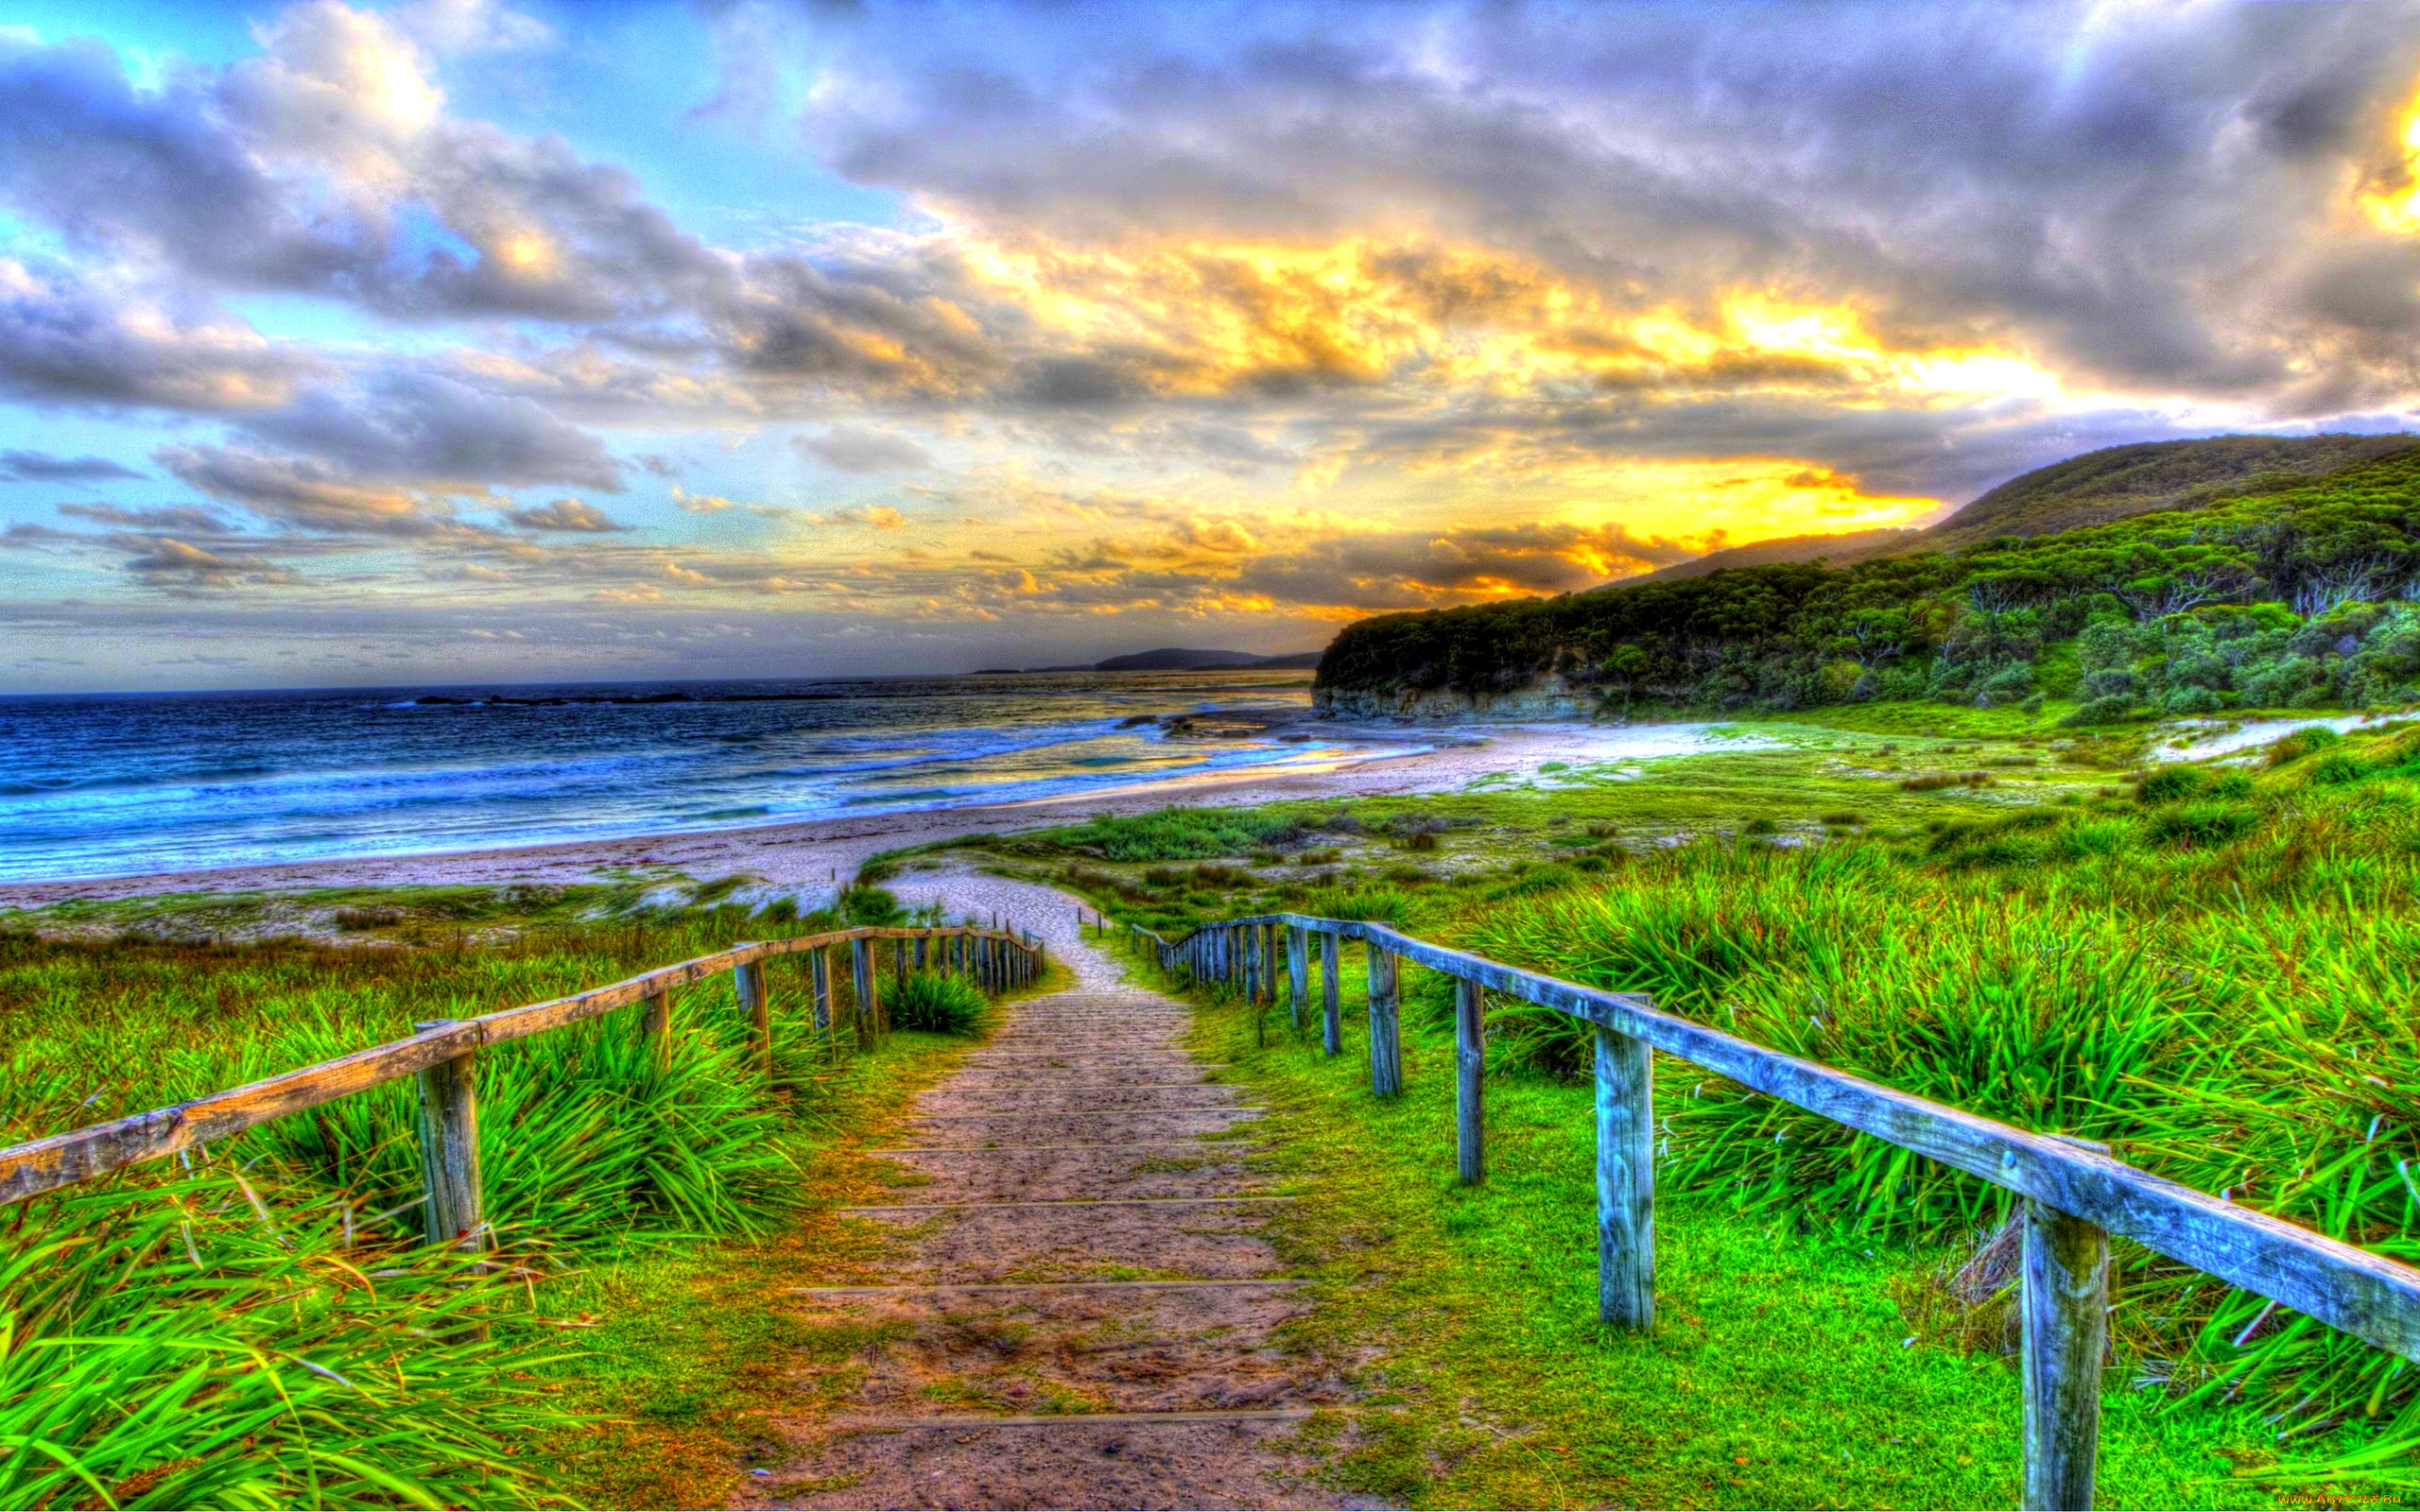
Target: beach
809,858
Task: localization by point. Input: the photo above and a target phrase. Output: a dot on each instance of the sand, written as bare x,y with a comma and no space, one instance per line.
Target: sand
808,857
2193,741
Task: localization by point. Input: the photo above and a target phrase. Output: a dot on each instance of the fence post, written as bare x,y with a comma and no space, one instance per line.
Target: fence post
1298,970
924,951
1386,1037
1331,1015
861,971
748,981
1470,1082
1625,1181
2065,1307
1270,949
449,1149
819,962
655,1028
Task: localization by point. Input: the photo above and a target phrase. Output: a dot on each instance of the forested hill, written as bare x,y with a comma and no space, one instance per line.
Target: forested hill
2118,481
2299,597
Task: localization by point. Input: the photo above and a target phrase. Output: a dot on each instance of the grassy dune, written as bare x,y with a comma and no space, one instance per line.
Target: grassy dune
260,1326
2212,968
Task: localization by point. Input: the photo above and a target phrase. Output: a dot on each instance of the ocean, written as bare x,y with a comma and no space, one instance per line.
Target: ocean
118,784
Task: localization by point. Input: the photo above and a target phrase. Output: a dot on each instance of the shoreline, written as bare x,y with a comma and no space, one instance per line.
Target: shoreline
811,855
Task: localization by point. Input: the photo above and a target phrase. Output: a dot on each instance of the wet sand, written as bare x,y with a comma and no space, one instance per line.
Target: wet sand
814,855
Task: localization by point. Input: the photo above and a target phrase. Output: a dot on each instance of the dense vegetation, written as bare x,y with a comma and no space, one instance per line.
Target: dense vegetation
2210,967
2118,481
2299,597
259,1325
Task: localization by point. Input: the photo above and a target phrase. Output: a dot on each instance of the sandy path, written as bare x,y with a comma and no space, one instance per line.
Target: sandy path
1088,1312
807,857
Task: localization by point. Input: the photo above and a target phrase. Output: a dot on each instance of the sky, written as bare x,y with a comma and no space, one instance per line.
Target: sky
472,341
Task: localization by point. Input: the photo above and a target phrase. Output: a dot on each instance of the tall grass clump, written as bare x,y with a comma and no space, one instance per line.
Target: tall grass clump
2261,1049
219,1341
259,1324
1177,835
938,1003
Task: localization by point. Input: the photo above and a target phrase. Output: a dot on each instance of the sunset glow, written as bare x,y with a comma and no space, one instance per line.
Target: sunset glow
744,327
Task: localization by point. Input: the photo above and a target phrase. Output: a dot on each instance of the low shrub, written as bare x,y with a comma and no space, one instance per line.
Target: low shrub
1381,906
938,1003
868,906
2169,783
2114,708
1175,834
2301,743
2337,768
2209,822
1935,782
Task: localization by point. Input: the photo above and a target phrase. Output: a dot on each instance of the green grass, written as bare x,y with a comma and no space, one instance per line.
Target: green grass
258,1324
2208,967
1780,1372
1173,834
936,1003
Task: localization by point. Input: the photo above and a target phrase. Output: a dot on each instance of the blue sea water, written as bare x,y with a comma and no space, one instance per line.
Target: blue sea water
118,784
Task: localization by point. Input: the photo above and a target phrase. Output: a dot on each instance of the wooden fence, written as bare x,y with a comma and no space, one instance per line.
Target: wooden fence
2075,1194
444,1056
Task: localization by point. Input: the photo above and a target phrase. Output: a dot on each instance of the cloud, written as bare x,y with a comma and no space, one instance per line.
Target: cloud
873,516
437,432
169,563
41,467
105,339
304,493
1994,171
472,25
183,518
565,515
861,449
699,503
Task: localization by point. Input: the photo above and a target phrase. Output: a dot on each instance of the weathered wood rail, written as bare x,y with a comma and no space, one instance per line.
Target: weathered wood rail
443,1054
2075,1194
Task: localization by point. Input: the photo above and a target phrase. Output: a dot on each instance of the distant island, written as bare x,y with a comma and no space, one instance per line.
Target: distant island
1176,659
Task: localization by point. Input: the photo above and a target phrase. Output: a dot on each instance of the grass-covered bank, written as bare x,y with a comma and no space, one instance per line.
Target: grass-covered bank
2292,594
1780,1373
2208,966
261,1326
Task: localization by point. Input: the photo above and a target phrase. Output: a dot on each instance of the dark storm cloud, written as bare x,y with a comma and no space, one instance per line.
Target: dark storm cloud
2153,195
41,467
1199,561
1415,569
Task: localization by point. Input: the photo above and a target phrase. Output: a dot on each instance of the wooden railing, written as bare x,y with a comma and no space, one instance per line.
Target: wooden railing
444,1056
2075,1194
